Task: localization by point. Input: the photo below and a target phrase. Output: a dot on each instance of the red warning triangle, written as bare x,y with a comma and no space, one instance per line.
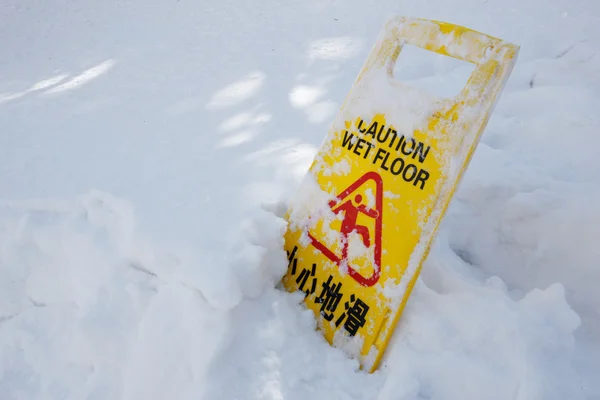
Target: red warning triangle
350,204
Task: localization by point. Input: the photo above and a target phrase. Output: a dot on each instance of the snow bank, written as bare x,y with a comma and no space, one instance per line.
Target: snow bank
90,312
187,117
83,313
468,338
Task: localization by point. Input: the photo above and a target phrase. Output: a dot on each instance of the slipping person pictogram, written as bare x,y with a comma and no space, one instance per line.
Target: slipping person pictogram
351,209
349,224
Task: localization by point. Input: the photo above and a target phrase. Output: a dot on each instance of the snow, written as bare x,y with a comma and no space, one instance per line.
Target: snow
149,150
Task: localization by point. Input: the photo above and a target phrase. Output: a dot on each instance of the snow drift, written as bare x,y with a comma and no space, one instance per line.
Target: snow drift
149,149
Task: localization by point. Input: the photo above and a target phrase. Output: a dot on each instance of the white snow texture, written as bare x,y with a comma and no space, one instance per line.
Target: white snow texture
148,150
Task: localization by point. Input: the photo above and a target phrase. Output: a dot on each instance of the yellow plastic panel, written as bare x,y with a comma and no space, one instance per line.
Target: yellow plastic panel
368,209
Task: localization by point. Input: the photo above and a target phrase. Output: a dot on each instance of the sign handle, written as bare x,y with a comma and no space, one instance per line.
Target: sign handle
490,54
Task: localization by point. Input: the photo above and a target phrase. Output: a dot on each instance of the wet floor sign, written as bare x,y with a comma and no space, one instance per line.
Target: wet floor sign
368,209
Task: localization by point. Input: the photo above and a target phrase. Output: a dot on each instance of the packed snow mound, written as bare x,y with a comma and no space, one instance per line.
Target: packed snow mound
196,122
91,311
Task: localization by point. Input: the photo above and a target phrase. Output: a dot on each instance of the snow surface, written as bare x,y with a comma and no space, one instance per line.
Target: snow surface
148,150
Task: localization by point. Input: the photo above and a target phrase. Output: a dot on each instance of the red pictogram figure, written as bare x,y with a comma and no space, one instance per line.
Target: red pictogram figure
349,222
349,225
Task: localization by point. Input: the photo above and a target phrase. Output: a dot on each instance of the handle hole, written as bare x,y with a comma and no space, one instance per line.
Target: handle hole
435,73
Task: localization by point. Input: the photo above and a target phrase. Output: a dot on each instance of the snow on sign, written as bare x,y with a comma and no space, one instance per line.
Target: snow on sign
368,209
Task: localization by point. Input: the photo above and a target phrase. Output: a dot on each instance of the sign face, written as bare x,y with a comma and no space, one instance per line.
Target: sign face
367,211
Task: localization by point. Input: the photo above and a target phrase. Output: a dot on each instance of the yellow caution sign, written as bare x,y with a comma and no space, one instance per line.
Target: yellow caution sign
367,211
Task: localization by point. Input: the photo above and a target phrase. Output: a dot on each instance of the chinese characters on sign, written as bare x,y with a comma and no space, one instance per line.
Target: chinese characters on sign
355,310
